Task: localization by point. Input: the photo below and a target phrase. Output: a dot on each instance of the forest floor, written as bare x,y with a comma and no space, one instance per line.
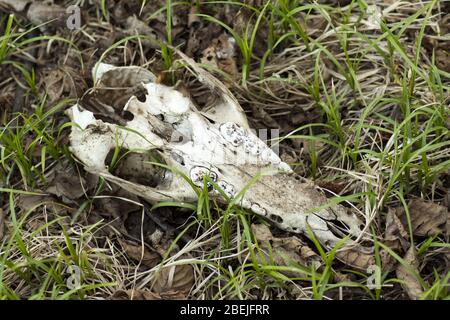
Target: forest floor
358,91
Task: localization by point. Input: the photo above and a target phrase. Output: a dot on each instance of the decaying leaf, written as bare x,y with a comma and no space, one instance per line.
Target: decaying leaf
427,218
16,5
283,251
193,18
141,254
216,143
67,185
119,205
136,26
395,236
356,258
410,282
61,82
262,115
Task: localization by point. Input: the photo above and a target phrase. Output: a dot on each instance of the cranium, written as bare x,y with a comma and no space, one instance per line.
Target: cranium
216,143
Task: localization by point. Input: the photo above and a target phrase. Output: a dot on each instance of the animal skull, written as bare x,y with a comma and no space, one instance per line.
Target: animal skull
216,143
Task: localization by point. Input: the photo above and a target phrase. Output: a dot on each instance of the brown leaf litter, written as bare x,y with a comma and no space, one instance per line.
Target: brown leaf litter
220,54
145,294
283,251
177,278
141,253
427,219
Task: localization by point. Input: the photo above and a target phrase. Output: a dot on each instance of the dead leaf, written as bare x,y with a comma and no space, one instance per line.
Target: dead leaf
388,262
178,278
39,13
410,283
61,82
262,115
116,86
312,23
193,18
143,294
137,167
342,277
67,184
117,203
333,186
28,202
140,254
356,258
427,218
16,5
284,250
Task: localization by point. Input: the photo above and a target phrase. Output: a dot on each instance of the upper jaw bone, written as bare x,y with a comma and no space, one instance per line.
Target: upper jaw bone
194,145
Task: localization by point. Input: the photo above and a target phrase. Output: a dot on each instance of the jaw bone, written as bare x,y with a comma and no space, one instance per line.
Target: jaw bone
217,144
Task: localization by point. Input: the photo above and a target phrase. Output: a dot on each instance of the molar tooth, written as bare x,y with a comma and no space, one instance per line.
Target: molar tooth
197,173
227,188
246,203
232,133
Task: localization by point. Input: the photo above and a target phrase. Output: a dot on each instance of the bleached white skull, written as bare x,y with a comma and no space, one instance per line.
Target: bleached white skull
216,143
